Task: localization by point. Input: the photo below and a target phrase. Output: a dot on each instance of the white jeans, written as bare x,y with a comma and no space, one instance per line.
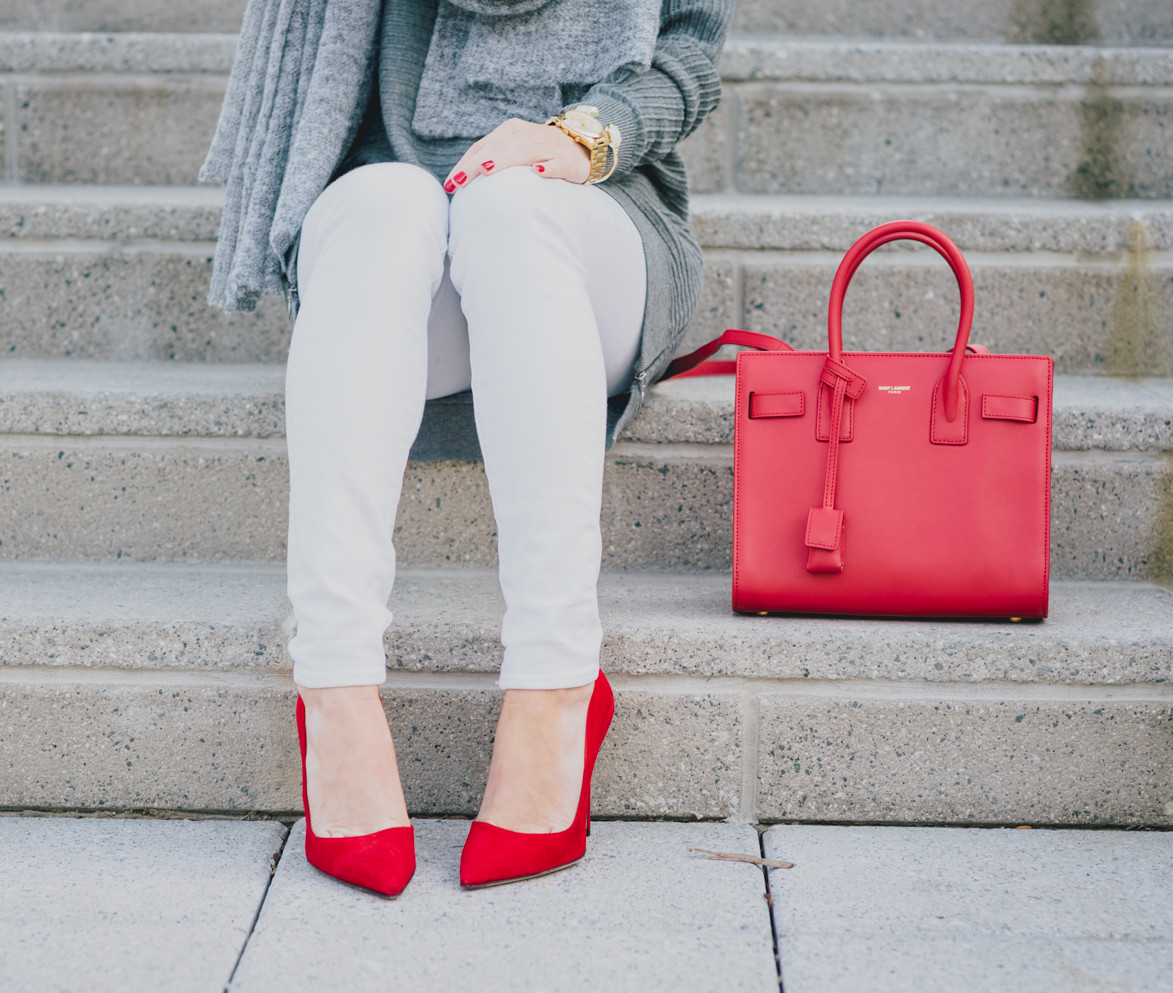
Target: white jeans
529,290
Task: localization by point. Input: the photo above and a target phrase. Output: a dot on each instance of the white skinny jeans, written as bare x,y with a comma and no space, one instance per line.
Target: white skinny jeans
529,290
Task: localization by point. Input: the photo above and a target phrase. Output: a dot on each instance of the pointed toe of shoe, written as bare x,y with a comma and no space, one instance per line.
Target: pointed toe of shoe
493,855
382,862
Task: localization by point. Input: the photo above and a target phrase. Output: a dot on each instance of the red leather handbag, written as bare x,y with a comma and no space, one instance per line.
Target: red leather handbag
889,483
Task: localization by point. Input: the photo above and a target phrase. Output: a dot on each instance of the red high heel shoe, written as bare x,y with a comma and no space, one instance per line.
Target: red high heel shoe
493,855
382,862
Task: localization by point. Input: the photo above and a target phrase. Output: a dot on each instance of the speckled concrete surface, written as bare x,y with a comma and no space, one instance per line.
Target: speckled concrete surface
104,905
664,506
188,618
1073,313
811,133
85,397
230,745
874,138
116,131
106,303
860,61
668,754
977,758
624,919
974,911
121,52
1003,20
976,225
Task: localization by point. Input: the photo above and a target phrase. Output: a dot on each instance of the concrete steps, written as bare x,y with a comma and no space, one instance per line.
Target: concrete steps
166,686
122,273
137,424
107,460
801,116
1016,21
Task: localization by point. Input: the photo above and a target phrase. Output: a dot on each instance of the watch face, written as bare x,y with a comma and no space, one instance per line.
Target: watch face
583,123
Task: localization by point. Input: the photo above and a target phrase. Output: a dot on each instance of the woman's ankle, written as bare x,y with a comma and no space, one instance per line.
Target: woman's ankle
351,753
334,696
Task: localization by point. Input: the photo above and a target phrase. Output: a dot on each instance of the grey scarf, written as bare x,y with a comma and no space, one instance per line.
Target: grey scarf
490,60
302,68
302,77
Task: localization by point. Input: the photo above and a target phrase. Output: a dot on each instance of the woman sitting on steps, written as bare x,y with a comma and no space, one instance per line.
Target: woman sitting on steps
506,211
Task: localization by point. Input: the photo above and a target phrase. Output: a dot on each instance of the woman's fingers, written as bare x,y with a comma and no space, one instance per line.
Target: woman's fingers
574,169
518,142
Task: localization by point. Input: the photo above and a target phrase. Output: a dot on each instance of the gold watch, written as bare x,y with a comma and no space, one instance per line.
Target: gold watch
582,124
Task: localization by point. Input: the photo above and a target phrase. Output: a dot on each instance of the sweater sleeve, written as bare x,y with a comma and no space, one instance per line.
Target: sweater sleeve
657,107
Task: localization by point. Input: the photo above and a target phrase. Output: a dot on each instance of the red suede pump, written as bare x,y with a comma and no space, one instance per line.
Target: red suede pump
492,855
382,862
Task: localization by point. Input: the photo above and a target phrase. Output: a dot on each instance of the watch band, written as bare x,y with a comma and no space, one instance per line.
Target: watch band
597,140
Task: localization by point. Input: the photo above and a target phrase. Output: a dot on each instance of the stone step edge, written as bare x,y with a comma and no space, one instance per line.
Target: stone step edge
710,752
83,397
744,59
217,623
46,214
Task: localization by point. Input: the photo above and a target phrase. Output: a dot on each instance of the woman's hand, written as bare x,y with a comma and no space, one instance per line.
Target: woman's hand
548,150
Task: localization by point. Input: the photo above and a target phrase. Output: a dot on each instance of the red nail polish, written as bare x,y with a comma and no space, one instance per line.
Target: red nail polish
488,165
450,187
541,168
459,178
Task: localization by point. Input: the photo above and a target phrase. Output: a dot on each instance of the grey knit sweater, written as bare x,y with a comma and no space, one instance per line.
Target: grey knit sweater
654,110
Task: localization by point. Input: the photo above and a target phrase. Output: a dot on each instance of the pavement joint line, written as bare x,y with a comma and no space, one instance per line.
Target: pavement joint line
275,861
770,909
11,162
739,686
747,811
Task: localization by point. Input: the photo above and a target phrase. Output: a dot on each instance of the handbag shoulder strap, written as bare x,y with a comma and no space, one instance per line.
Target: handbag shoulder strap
694,364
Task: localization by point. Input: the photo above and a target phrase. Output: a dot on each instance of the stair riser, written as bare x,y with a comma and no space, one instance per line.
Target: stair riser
112,303
1114,315
143,129
161,500
1037,21
228,748
956,761
1085,760
802,138
120,15
936,140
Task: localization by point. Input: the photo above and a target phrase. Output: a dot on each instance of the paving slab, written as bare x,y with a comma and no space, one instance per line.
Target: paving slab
101,904
639,913
887,910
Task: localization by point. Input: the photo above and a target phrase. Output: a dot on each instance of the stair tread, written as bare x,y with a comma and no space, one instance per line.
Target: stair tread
745,57
234,619
177,399
721,220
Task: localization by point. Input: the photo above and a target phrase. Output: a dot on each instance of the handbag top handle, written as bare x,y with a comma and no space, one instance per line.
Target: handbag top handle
928,235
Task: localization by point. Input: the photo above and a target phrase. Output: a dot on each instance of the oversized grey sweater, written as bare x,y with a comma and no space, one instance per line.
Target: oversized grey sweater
654,110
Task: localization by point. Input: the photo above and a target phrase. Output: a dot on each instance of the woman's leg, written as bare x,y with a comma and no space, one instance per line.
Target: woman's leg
371,259
552,281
